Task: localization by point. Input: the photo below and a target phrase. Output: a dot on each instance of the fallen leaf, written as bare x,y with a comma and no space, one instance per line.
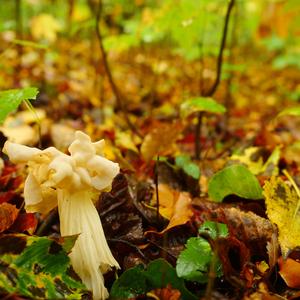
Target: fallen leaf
282,204
173,205
124,140
25,222
253,159
182,212
38,267
289,269
160,140
8,215
247,227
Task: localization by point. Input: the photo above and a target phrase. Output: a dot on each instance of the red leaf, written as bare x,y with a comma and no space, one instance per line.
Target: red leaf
25,222
8,214
6,196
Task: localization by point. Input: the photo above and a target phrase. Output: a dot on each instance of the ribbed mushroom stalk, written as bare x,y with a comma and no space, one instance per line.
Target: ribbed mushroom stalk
72,182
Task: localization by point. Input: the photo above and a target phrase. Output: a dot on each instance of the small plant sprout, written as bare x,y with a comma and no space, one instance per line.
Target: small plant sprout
199,106
73,182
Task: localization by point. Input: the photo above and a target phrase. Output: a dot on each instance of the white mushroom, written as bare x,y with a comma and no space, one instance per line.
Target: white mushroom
72,182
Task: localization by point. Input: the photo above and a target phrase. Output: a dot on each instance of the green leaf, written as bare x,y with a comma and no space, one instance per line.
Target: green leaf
139,280
214,229
234,180
193,262
291,111
199,104
11,99
184,162
38,268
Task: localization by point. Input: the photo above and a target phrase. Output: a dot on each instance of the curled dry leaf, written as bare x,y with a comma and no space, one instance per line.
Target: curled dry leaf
8,215
160,140
174,206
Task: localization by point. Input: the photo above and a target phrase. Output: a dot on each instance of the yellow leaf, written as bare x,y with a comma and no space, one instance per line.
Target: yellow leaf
253,159
124,140
45,26
282,204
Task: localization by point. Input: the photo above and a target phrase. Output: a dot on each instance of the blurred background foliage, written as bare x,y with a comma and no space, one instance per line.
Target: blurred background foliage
190,29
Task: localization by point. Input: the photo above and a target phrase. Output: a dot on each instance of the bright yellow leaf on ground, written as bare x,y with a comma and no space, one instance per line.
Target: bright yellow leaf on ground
282,204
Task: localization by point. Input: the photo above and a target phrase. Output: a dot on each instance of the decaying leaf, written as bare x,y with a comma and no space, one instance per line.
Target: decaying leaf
8,215
159,140
282,204
38,268
248,227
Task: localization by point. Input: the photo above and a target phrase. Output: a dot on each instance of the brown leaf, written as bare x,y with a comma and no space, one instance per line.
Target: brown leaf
8,215
119,216
159,140
248,227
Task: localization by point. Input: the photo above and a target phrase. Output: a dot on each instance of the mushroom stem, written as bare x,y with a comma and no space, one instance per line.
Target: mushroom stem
90,255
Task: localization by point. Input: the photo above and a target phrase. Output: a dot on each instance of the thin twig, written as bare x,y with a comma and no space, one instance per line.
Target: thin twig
156,188
214,86
116,240
47,223
112,83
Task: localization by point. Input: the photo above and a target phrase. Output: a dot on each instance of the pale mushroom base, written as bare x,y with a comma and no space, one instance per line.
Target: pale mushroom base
90,255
